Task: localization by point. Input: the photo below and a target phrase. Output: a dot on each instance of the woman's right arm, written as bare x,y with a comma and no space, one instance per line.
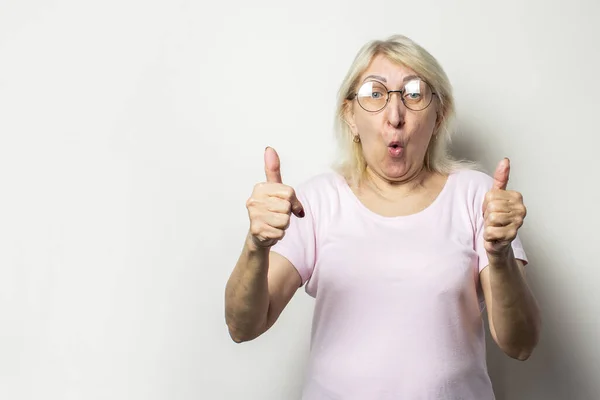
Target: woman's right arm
259,288
263,282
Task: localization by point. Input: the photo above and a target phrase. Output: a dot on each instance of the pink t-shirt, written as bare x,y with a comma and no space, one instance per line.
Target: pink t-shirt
398,301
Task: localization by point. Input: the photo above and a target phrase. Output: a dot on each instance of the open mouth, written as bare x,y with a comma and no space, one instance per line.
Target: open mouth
395,149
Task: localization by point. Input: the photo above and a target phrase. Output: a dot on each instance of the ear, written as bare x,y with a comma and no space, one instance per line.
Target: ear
438,115
438,121
349,116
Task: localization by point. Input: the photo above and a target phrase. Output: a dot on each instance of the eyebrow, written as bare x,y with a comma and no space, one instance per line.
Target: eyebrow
381,78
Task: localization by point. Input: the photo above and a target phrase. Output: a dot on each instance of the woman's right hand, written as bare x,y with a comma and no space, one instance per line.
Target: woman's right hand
271,204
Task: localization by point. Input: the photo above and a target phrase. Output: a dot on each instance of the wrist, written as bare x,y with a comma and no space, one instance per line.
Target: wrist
504,259
253,248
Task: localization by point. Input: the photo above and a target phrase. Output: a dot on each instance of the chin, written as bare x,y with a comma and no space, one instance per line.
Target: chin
394,171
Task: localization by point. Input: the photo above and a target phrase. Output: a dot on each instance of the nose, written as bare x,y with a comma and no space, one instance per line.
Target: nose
396,110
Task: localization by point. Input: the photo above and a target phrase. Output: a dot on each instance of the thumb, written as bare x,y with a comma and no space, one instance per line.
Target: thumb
272,166
501,174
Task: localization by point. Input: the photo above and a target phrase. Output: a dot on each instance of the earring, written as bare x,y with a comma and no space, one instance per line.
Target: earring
356,139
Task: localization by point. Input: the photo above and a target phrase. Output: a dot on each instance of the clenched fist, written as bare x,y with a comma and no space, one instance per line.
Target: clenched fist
503,212
271,204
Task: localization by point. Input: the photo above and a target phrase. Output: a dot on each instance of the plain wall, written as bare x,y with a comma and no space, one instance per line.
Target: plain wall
132,133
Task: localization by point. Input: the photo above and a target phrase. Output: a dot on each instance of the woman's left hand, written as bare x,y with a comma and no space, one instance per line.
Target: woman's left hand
503,213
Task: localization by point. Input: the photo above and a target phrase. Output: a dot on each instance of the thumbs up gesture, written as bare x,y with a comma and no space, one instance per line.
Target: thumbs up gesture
503,213
271,204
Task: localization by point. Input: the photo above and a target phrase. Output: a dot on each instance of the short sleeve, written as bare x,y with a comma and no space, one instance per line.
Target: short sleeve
299,243
517,245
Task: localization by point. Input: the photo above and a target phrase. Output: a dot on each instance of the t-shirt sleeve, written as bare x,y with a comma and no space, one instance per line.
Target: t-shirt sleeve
299,242
517,245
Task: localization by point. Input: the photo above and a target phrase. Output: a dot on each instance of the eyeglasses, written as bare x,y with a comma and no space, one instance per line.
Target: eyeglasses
373,96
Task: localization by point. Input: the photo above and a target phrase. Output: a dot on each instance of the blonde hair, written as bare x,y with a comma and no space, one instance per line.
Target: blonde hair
397,48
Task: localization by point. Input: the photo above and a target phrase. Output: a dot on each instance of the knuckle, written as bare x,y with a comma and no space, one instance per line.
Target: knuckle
253,212
255,228
289,192
284,223
251,202
519,221
518,196
487,233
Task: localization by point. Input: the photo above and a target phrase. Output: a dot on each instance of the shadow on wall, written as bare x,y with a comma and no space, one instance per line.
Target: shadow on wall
552,372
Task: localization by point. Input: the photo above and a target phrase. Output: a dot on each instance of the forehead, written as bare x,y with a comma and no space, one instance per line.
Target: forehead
382,66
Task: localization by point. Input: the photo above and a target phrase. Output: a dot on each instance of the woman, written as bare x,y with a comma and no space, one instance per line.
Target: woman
401,246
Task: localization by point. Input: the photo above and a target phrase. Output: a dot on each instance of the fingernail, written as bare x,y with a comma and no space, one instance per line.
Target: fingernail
301,213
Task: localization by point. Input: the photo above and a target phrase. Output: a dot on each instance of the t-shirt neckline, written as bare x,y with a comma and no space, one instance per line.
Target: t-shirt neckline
401,218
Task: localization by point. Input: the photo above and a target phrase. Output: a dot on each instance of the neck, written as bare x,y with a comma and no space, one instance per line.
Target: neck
396,188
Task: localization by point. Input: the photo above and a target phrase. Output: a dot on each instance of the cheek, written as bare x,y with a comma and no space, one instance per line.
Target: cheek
365,124
422,128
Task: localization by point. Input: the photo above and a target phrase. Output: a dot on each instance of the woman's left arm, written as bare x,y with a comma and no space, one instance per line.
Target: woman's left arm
513,312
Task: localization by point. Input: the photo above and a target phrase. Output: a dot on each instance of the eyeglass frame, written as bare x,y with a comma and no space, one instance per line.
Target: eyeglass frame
355,96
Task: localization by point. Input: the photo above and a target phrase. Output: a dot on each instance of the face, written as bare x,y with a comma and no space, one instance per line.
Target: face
395,139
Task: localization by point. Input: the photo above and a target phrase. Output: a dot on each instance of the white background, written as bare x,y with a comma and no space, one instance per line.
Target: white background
132,133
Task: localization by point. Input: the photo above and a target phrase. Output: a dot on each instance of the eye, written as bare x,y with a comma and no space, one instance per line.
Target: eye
377,95
413,90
